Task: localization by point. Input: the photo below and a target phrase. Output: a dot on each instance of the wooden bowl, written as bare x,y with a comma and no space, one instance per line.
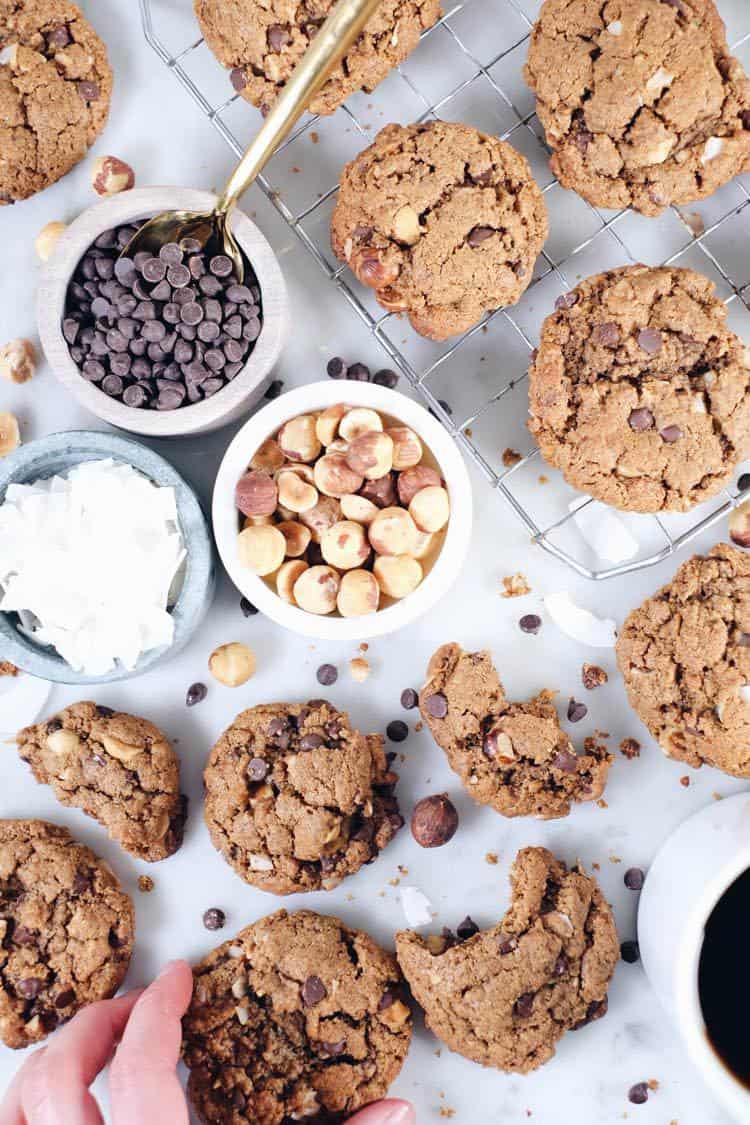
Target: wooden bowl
233,400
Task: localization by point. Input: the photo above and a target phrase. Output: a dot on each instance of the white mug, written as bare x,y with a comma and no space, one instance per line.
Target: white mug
689,875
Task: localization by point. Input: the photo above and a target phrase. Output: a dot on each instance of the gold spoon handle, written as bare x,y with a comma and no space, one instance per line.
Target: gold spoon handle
326,50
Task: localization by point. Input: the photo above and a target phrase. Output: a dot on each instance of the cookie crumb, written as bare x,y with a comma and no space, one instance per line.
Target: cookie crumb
145,884
360,669
685,781
446,1111
419,726
511,457
615,859
543,479
592,676
653,1084
8,669
515,586
314,137
630,748
492,859
716,796
602,803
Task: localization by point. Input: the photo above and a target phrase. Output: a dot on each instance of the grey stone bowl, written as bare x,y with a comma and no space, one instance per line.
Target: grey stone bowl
56,454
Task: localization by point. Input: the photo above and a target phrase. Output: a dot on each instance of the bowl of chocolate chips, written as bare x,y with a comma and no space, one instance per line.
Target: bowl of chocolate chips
166,345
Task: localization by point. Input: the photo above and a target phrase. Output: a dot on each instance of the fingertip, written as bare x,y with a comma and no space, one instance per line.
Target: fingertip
391,1111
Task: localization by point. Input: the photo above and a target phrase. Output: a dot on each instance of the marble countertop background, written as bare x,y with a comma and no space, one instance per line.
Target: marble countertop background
155,128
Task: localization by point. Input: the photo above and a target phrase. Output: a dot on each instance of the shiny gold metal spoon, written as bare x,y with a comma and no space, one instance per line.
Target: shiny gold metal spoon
211,229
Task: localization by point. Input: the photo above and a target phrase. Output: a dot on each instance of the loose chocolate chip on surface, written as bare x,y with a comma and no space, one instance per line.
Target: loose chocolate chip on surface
274,389
196,693
638,1094
466,929
385,378
214,919
359,373
576,711
530,623
327,674
743,482
630,952
397,730
634,878
336,368
437,705
409,699
313,991
434,821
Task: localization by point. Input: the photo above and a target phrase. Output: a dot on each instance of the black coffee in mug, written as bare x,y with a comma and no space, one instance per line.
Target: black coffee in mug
724,978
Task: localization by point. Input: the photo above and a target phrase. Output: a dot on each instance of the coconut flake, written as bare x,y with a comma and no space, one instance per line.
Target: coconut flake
713,147
603,531
579,624
416,906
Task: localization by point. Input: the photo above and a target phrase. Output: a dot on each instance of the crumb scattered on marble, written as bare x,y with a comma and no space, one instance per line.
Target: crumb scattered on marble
145,884
544,479
592,676
615,859
596,866
685,781
492,859
7,669
314,137
515,586
602,804
511,457
419,726
716,796
630,748
653,1084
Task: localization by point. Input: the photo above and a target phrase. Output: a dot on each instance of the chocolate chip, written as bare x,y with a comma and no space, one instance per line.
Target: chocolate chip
81,883
397,730
530,623
247,607
277,36
576,711
336,368
638,1094
65,999
385,378
466,929
258,769
566,300
311,741
333,1050
478,235
327,674
436,705
58,37
608,335
506,943
743,482
313,991
524,1005
566,761
196,693
670,434
358,373
409,699
640,419
30,987
434,821
561,966
221,266
214,919
630,952
387,1000
274,388
238,78
650,340
634,878
89,91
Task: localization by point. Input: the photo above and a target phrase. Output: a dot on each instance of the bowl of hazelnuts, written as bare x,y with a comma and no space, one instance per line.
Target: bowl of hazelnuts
343,511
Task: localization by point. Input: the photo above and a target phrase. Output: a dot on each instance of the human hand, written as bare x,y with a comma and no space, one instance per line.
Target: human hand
141,1033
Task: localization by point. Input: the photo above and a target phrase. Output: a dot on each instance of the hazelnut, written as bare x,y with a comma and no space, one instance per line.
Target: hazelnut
256,521
47,240
110,175
63,742
261,549
288,574
325,514
18,361
395,1016
297,537
739,523
327,424
345,545
425,544
381,492
334,477
296,494
359,668
370,455
434,821
406,226
371,267
338,445
117,748
359,420
10,437
256,494
412,481
232,664
304,472
393,532
354,507
268,457
359,594
298,439
397,575
316,589
430,508
407,448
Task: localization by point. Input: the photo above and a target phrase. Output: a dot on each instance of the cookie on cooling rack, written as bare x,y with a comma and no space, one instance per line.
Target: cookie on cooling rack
639,393
262,41
685,657
55,89
641,101
442,221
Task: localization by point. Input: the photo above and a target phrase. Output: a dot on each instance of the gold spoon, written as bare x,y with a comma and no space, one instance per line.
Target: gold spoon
211,229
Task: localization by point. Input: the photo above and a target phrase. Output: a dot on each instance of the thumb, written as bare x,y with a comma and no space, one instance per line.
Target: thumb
143,1076
389,1112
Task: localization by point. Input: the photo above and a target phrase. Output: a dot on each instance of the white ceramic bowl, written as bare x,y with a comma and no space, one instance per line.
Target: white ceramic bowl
228,404
448,563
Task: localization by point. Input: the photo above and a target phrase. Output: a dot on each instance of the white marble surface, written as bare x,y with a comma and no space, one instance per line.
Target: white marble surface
157,130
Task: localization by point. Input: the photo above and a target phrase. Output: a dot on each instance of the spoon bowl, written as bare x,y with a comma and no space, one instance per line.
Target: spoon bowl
209,230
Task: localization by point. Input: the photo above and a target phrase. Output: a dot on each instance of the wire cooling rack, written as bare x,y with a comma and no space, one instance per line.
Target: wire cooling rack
468,67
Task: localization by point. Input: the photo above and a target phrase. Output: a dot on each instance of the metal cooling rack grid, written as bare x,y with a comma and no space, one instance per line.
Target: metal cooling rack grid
469,67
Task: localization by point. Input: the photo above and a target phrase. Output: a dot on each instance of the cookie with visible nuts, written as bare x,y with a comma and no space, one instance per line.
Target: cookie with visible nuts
67,930
512,756
684,654
639,393
442,221
504,997
55,89
296,799
116,768
310,1008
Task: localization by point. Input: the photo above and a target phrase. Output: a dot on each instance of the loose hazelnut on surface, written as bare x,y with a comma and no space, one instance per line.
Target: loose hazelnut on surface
381,492
287,575
298,439
325,514
327,424
18,361
261,549
411,481
268,457
297,537
358,508
434,821
358,594
393,532
316,589
407,448
232,664
359,668
10,437
110,175
295,493
370,455
430,508
334,477
47,240
345,545
256,494
397,575
739,525
359,420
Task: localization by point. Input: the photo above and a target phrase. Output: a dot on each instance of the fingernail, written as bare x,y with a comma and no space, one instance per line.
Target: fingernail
400,1114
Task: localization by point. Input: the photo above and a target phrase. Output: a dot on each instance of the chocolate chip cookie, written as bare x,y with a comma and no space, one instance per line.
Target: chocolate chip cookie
505,996
298,1018
685,657
512,756
66,929
263,40
55,90
296,799
640,100
116,768
639,393
442,221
